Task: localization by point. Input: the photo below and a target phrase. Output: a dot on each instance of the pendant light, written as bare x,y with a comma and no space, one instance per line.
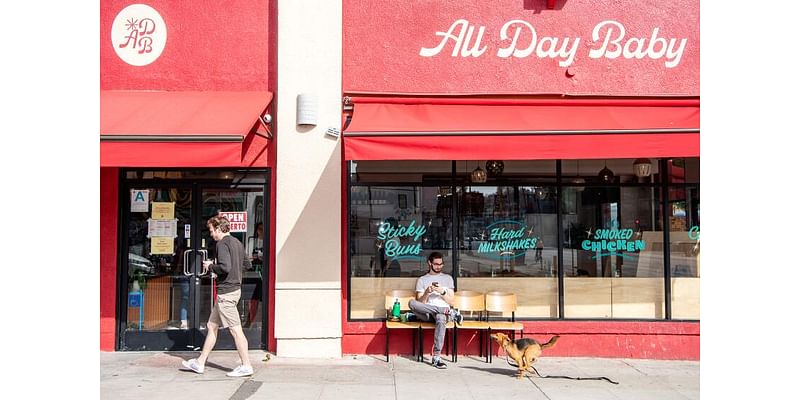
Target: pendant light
578,180
606,175
642,167
478,175
494,168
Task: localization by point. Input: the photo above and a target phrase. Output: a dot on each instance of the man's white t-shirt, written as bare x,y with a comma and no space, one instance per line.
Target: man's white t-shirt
435,299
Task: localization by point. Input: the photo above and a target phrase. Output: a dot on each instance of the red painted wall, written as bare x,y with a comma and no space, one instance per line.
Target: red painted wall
618,339
383,42
109,207
211,45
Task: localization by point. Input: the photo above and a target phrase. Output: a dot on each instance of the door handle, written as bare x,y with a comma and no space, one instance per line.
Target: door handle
204,253
186,262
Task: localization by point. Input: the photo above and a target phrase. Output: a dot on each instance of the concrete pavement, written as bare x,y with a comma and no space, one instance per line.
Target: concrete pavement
157,375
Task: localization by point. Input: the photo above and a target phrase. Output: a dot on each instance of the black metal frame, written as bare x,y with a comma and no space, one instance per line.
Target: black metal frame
150,340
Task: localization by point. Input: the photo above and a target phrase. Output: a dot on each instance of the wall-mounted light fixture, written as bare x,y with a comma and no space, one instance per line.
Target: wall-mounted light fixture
307,109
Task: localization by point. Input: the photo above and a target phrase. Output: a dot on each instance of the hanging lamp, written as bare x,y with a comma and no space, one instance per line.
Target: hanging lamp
478,175
606,175
578,180
494,168
642,167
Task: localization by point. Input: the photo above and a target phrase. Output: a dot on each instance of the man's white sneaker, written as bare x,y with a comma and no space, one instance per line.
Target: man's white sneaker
241,371
194,366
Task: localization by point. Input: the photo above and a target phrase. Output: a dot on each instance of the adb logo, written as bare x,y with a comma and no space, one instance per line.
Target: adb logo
138,34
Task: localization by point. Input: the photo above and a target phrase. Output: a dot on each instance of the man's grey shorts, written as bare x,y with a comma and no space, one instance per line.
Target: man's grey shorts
225,313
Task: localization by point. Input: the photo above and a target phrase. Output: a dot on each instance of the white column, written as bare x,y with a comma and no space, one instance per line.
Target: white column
308,200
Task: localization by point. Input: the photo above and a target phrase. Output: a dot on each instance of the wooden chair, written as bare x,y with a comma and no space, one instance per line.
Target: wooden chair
503,303
469,303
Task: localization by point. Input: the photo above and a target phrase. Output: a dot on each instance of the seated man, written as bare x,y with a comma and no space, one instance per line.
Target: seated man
434,298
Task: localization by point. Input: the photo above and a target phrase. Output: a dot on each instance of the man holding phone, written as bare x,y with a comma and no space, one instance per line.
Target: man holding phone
434,298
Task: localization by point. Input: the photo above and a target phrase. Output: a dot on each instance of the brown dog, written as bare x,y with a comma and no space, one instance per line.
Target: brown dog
524,351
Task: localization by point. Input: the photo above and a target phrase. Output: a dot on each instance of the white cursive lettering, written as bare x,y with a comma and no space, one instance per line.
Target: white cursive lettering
520,40
636,48
460,42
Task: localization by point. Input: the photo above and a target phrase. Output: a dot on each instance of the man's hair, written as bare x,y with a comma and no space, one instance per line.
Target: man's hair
435,255
220,222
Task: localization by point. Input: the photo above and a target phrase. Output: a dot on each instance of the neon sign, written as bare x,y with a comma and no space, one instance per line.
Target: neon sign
613,242
506,237
392,236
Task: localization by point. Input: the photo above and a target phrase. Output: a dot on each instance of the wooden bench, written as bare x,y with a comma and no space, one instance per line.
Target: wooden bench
404,296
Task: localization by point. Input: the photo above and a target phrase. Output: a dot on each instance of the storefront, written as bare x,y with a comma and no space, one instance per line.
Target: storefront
186,127
548,150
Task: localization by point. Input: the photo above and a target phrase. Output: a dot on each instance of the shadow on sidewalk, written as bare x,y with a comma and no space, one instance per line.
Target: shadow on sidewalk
498,371
182,355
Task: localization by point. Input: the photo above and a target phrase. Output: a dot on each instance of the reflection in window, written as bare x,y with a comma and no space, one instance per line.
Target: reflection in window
684,251
507,231
508,242
393,229
613,255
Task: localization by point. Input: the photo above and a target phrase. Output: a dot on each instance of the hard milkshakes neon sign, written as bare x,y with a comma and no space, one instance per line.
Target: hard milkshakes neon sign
521,40
507,238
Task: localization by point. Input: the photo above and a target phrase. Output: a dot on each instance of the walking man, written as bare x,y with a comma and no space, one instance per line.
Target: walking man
228,267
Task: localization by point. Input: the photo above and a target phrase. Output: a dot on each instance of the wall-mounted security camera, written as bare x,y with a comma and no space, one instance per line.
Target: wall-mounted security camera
332,131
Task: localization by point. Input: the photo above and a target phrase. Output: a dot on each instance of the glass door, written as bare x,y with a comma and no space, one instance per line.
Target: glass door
243,206
165,298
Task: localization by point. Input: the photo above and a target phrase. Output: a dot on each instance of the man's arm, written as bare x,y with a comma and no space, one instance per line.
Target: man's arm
224,262
422,292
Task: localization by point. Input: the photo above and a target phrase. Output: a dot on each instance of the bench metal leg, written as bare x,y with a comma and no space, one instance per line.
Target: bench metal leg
455,343
489,344
420,358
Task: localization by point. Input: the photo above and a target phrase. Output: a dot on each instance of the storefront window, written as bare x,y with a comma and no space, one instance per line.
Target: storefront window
392,231
614,264
504,234
684,251
508,242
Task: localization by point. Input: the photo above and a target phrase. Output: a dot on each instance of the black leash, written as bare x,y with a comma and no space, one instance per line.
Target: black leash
599,378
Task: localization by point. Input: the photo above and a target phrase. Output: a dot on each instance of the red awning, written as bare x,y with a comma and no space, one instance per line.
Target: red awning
182,129
382,131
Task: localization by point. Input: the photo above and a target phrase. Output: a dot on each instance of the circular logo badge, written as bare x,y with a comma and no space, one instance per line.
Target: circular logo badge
138,34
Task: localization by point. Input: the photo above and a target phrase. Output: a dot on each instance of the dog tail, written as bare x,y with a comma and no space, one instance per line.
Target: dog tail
551,342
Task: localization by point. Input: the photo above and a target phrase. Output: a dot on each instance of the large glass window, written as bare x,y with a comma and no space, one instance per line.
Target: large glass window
508,238
614,263
507,234
684,251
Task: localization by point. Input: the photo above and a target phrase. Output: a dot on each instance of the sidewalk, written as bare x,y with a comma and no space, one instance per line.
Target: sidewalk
156,375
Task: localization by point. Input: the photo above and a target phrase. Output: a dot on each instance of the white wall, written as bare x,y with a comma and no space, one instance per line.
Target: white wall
308,203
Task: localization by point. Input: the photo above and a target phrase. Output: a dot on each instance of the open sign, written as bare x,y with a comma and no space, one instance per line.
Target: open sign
238,220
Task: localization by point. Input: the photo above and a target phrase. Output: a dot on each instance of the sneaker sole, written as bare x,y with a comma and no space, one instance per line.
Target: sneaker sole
189,367
239,375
